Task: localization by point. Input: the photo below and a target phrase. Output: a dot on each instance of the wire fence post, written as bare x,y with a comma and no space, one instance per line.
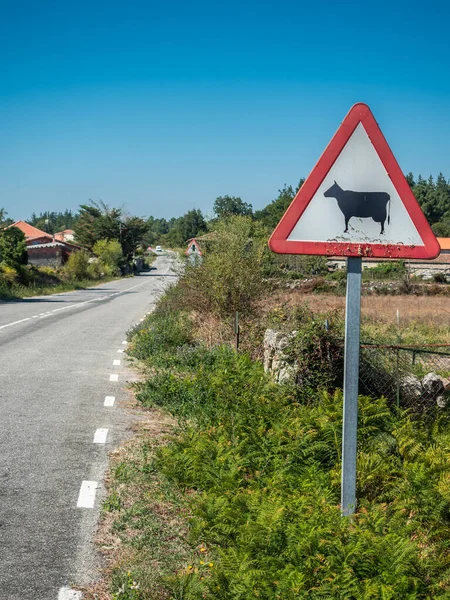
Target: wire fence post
236,329
397,368
351,377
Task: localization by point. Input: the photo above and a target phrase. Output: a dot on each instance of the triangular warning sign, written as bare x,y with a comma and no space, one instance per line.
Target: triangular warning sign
193,248
356,201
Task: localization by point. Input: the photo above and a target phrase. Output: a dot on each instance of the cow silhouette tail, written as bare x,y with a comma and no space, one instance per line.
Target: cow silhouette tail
389,211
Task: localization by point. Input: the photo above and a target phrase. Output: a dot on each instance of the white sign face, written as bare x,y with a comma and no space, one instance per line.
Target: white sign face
357,202
192,249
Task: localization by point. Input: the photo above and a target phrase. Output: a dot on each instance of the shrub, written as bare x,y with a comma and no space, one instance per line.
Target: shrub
13,249
264,480
160,335
95,270
9,274
393,269
49,271
230,277
109,253
439,278
5,289
338,275
77,267
316,349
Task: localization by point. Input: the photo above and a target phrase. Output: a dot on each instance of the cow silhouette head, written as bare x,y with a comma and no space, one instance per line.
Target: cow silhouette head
333,192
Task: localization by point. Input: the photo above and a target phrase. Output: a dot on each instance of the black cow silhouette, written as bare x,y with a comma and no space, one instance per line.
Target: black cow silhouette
361,204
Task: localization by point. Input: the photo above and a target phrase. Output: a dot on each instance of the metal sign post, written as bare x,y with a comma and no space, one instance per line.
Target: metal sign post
351,377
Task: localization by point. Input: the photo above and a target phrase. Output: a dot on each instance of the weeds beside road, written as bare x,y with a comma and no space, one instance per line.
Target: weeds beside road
247,471
253,472
20,291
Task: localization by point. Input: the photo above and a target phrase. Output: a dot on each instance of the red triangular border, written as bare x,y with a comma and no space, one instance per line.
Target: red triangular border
359,113
191,243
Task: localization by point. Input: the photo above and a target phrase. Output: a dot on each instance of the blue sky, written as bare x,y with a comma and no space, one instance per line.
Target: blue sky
162,107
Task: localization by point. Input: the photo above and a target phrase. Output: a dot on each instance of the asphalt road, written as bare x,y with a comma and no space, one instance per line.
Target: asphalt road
57,356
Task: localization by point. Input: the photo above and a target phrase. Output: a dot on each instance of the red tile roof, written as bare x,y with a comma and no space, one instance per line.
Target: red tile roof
61,235
444,243
30,231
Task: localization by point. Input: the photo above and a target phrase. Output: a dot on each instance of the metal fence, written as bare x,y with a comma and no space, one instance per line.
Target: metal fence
415,377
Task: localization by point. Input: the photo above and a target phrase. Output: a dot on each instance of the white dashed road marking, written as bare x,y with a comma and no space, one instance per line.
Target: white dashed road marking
120,350
114,377
51,312
116,363
125,343
109,400
66,593
86,497
100,436
15,323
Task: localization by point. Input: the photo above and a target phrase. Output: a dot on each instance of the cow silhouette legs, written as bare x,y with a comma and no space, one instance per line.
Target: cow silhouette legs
347,219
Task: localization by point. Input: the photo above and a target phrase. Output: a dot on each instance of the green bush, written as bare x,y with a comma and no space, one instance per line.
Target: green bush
439,278
230,277
9,275
315,348
13,249
5,288
77,267
263,475
338,275
109,253
159,337
95,270
394,269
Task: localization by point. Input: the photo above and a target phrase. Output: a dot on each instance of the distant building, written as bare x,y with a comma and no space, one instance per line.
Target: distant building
45,249
444,243
68,235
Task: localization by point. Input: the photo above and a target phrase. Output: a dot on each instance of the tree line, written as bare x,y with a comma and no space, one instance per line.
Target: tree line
96,221
433,196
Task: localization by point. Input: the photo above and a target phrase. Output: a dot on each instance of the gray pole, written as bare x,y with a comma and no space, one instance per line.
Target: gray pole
351,376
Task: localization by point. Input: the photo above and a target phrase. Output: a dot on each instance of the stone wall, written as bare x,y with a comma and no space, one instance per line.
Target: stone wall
276,360
416,393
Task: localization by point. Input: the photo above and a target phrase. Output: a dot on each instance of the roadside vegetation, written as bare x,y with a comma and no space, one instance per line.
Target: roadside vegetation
96,223
230,490
109,246
19,280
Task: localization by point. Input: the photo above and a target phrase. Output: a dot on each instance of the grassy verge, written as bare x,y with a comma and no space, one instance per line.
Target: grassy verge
22,291
250,475
255,466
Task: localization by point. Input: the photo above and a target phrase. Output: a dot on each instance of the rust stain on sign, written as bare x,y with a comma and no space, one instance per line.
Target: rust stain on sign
394,251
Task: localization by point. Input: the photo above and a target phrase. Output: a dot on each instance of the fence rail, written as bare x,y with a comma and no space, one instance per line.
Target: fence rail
416,377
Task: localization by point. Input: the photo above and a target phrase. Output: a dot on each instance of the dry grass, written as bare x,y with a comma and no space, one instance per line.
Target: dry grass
430,310
209,329
422,319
